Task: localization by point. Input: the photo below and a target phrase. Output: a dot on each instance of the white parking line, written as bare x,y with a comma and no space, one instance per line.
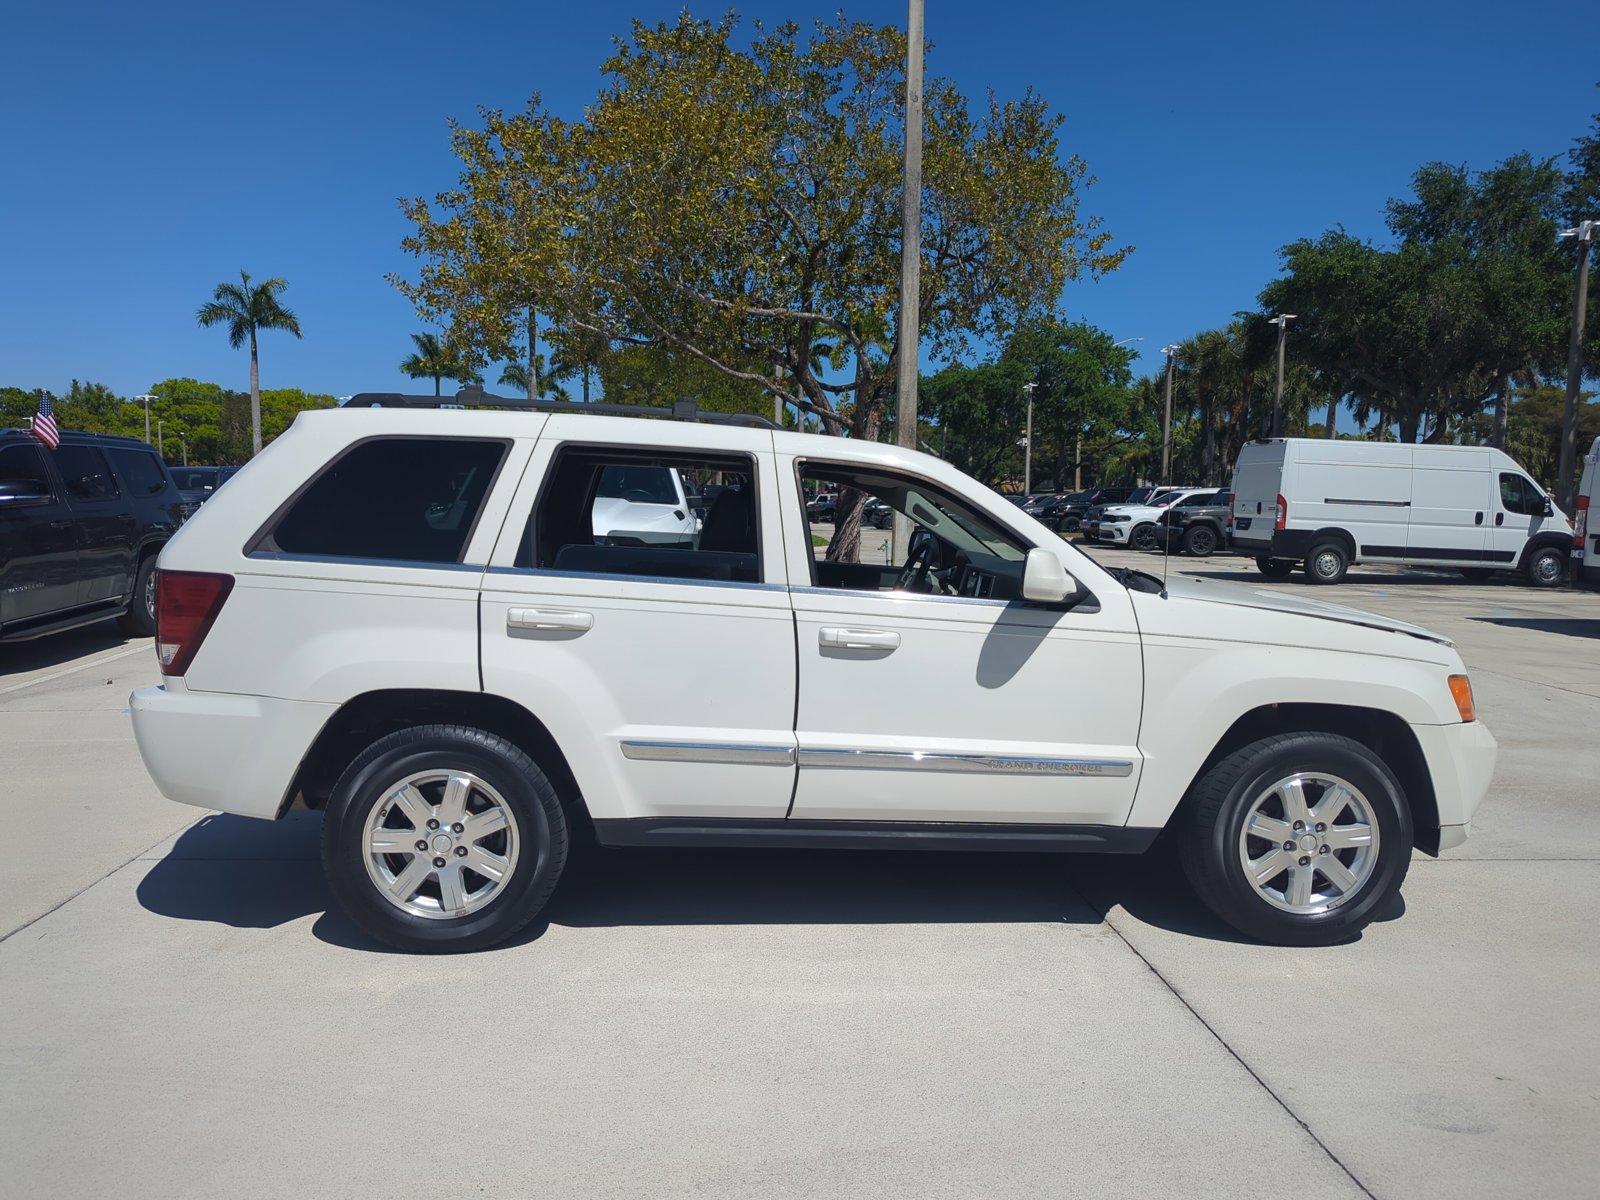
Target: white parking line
83,666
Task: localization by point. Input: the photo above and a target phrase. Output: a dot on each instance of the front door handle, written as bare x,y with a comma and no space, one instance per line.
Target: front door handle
559,620
1499,518
837,638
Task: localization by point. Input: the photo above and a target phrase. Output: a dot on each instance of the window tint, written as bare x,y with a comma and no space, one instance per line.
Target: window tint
141,471
408,499
953,550
192,479
22,475
615,511
85,472
1518,495
1198,500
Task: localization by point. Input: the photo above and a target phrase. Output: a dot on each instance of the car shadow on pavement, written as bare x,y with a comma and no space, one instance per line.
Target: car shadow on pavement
1586,627
60,649
249,874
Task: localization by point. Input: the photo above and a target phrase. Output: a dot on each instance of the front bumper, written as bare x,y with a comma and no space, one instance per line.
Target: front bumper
1116,534
1461,762
238,754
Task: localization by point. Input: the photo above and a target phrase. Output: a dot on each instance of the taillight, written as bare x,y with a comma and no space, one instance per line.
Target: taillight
1580,523
187,602
1282,520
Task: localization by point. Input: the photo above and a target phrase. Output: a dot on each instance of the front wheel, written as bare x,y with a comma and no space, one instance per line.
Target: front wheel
1297,839
1546,567
140,619
443,838
1143,537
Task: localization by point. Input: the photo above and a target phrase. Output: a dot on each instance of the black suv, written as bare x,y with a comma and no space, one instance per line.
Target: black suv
1198,524
80,527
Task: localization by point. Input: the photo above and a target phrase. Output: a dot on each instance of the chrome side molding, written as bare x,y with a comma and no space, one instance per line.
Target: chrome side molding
709,752
970,764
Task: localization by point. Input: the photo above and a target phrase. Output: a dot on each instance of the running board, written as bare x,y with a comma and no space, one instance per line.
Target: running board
871,835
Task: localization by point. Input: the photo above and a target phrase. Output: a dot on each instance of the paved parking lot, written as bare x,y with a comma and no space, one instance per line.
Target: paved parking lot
180,1012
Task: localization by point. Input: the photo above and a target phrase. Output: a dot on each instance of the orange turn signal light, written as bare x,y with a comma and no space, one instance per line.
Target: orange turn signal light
1461,689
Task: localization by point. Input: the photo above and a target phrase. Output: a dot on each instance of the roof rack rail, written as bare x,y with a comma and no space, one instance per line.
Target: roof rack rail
476,397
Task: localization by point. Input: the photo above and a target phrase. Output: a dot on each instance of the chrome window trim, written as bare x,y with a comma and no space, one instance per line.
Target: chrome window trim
655,750
961,763
608,577
892,594
350,560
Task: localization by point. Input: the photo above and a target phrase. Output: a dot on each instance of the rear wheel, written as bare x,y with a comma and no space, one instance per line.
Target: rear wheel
1327,563
442,838
1546,567
1298,839
1200,541
140,619
1275,568
1143,537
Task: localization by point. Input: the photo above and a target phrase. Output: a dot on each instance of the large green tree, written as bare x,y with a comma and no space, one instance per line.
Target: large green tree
246,309
737,201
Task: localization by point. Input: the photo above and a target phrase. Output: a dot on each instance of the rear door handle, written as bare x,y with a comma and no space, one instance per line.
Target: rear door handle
1478,520
554,619
837,638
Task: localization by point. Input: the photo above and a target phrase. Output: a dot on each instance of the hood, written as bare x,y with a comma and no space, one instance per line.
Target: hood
1245,596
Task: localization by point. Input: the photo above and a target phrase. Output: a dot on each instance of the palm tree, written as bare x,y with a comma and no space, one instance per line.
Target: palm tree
516,375
246,309
436,359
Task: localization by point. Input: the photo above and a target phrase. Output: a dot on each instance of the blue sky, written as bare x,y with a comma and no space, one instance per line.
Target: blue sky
149,151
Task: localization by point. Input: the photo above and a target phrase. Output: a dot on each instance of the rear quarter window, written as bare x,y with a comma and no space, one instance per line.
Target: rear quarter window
404,499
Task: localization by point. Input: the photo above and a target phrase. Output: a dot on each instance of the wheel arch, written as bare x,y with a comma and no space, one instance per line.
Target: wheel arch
1385,733
365,718
1554,539
1334,533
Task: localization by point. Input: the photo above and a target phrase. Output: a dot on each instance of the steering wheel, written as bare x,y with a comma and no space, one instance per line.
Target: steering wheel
914,575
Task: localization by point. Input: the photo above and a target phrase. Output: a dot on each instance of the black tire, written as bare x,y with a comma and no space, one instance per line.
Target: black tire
1476,574
1327,563
1275,568
1546,567
1220,802
140,619
1200,541
1069,524
1143,537
541,827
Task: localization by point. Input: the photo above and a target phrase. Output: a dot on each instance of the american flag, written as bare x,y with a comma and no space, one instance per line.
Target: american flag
44,424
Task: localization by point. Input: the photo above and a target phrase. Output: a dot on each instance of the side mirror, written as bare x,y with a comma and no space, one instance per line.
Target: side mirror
1045,580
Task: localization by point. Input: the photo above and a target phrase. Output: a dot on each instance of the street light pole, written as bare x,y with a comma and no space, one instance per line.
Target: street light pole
145,399
910,253
1282,322
1166,418
1027,444
1566,483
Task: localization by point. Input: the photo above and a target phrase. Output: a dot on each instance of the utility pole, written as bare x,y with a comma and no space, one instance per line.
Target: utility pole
145,399
1566,481
161,441
1282,322
1027,444
1166,419
910,253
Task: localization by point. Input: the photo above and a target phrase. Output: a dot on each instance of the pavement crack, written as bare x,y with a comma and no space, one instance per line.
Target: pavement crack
1105,919
31,921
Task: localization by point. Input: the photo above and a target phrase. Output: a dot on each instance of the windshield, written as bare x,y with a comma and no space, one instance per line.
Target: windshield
637,485
1164,499
191,479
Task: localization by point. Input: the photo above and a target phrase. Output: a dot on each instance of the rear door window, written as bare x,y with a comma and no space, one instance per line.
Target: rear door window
141,471
402,499
85,472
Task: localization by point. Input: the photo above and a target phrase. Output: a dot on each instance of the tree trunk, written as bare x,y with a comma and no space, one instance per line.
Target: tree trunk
1407,423
1502,406
586,381
1208,442
1333,417
533,354
255,398
436,391
1077,462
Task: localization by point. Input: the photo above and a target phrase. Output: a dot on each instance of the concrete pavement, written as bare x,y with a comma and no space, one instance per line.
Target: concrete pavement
180,1012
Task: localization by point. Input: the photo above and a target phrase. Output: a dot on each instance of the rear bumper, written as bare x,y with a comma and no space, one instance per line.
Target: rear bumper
1461,762
1273,543
237,754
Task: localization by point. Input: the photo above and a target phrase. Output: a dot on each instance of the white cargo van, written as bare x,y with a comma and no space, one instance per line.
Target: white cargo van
1327,504
1586,528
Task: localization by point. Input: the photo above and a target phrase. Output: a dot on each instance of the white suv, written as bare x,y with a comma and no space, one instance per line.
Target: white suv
407,620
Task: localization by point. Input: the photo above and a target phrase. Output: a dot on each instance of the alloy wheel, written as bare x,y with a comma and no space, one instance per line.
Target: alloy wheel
440,844
1309,843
